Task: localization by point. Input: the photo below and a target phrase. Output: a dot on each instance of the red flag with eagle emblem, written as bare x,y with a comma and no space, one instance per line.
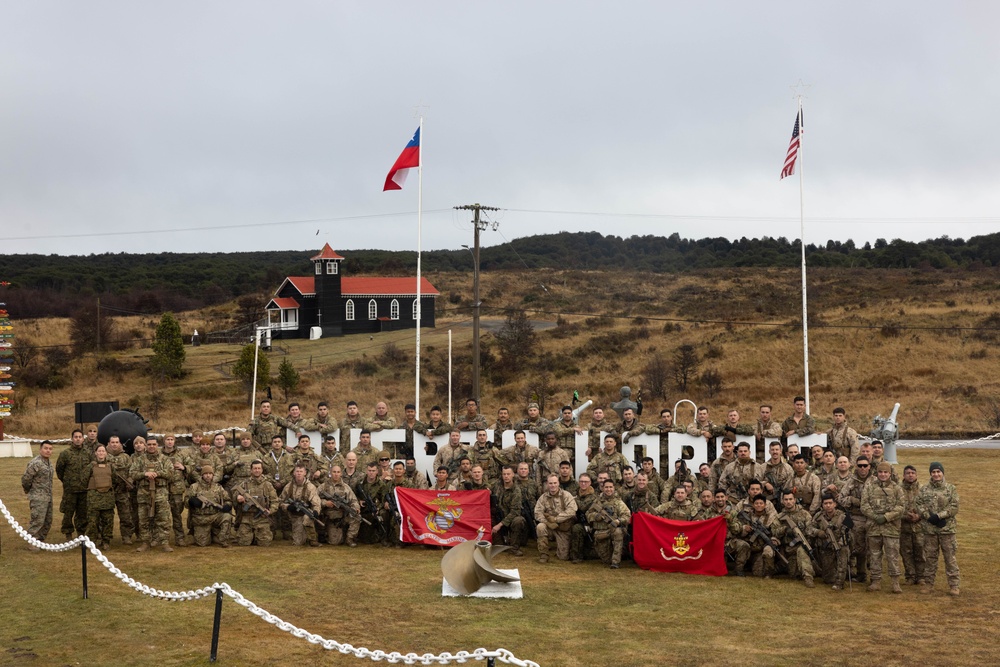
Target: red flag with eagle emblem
695,547
443,518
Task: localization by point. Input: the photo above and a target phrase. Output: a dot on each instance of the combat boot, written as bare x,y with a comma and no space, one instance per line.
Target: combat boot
895,585
543,558
142,547
925,589
166,548
808,581
875,586
33,549
954,592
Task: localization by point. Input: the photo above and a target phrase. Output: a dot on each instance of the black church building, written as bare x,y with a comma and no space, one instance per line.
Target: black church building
330,303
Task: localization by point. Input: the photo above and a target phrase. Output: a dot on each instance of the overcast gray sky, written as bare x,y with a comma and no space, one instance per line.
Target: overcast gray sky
670,117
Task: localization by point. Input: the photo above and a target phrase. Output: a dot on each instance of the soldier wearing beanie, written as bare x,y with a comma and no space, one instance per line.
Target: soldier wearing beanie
937,504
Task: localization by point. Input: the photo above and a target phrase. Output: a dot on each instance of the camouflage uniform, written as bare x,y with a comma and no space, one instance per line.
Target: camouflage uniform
579,533
365,456
306,458
512,456
664,433
303,528
539,425
807,491
677,511
345,431
209,521
499,429
254,524
374,423
799,563
882,504
124,487
419,428
262,431
850,500
509,503
613,464
488,457
939,498
549,460
570,485
323,425
554,515
336,518
608,537
73,470
176,491
566,438
843,440
241,458
911,536
625,431
373,494
737,548
155,529
594,429
37,484
717,467
736,477
830,544
448,456
779,475
470,423
761,552
805,426
100,503
767,433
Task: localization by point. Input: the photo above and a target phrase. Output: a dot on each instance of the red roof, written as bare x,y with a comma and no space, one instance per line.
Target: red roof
326,253
284,303
387,286
306,285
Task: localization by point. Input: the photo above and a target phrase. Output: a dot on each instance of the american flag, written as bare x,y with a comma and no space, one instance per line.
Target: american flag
793,147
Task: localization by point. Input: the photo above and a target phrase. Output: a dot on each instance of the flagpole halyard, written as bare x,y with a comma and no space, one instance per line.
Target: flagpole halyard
802,233
420,196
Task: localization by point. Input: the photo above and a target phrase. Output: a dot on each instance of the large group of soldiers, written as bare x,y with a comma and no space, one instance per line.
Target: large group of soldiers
832,512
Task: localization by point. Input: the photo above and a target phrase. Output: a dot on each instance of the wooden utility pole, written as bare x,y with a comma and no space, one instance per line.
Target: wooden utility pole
477,226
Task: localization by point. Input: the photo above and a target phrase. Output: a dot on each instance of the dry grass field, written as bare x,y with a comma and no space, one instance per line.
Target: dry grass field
570,614
926,339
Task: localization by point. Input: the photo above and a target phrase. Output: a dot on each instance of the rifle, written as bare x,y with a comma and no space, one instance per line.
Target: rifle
344,505
588,532
217,506
775,490
129,484
372,508
741,491
800,540
529,517
241,490
152,497
301,508
761,531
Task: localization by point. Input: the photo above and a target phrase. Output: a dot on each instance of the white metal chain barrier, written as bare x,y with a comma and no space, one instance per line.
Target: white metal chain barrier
942,445
56,441
501,654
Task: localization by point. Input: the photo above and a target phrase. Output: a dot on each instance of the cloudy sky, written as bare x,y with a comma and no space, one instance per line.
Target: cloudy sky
253,125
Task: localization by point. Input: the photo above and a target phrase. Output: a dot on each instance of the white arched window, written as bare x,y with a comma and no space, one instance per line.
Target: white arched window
414,309
372,310
350,309
394,310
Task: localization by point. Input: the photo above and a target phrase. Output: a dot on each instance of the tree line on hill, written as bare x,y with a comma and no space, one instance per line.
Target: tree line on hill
54,285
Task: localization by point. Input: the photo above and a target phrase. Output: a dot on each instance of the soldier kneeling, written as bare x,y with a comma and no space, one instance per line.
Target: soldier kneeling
210,510
340,509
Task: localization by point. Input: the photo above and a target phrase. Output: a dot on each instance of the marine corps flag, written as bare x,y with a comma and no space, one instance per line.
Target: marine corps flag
695,547
443,518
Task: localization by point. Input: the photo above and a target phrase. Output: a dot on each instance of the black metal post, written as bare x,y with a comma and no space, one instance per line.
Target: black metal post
216,625
491,662
83,560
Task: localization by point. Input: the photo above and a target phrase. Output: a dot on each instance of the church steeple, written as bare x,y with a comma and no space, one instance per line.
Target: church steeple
326,276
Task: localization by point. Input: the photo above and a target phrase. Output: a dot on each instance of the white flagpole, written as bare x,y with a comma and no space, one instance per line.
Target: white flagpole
420,195
802,232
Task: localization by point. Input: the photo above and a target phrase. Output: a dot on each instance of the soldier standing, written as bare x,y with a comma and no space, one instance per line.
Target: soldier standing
911,535
411,425
609,517
334,514
177,488
766,428
521,452
609,460
450,454
509,525
293,421
727,456
381,420
152,473
805,485
597,424
882,503
842,438
736,476
831,542
937,503
210,506
471,420
241,458
264,427
353,419
503,423
798,423
483,453
73,470
850,500
551,456
37,485
323,422
100,499
259,501
581,535
366,454
534,422
124,487
565,431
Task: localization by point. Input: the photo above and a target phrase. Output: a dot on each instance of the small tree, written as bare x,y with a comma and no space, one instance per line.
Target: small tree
656,377
711,380
168,348
685,366
515,341
243,368
288,377
83,330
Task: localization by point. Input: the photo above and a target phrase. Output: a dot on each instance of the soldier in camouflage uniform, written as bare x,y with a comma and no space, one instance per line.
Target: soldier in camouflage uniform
521,452
485,454
762,551
766,429
323,422
565,431
795,525
123,487
628,426
371,492
882,503
301,489
679,508
509,526
727,456
911,534
471,420
736,476
702,426
737,549
381,420
210,506
416,479
294,421
836,482
241,458
412,426
222,450
581,535
503,423
609,460
555,514
831,542
850,501
90,442
878,455
37,485
597,424
352,419
937,503
73,470
178,486
534,422
255,523
566,481
609,517
777,473
152,473
798,423
335,517
551,456
329,456
303,455
806,485
842,439
706,506
365,452
264,427
100,499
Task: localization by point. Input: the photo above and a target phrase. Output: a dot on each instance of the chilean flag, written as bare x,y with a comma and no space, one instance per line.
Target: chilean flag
408,159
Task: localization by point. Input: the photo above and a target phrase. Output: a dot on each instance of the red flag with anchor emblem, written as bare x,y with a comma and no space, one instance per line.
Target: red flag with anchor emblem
443,518
695,547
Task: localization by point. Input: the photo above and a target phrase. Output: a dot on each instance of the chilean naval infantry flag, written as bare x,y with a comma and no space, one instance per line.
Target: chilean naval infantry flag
694,547
407,160
443,518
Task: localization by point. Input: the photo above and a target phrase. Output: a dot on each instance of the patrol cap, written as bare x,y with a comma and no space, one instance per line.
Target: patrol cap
937,466
243,435
532,405
207,468
883,467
